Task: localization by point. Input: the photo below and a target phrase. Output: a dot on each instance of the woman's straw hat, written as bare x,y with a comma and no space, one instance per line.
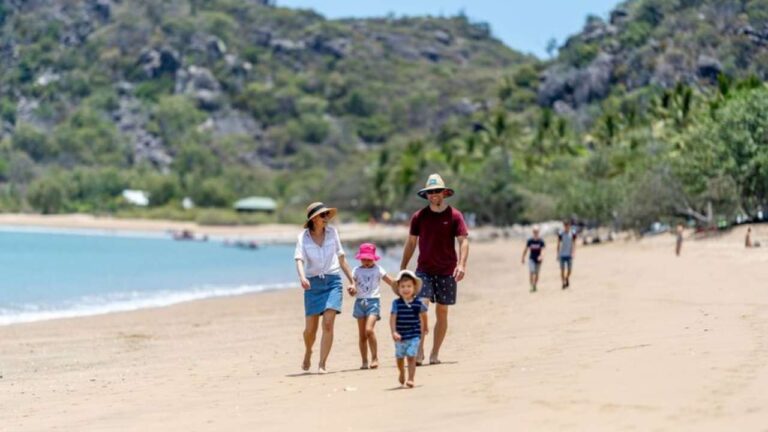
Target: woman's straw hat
405,273
317,208
435,182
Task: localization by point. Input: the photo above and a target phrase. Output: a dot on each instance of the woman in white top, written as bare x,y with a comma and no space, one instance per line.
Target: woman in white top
319,261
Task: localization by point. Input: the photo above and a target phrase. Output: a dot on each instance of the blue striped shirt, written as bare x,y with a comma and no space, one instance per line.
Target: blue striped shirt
408,321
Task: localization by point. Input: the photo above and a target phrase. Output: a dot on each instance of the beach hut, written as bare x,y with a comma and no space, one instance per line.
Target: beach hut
256,204
136,197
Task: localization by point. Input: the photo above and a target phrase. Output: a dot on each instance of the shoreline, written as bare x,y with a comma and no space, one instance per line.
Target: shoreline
267,233
642,339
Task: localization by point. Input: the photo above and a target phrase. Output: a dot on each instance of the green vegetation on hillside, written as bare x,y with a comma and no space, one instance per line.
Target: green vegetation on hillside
654,114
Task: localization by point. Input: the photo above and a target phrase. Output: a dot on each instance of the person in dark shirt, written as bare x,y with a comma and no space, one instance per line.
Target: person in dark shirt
436,229
408,323
534,248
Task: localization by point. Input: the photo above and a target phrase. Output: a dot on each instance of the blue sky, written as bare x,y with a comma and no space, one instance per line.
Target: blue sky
526,25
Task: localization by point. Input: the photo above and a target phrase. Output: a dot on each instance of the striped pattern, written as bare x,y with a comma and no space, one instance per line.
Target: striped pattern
408,321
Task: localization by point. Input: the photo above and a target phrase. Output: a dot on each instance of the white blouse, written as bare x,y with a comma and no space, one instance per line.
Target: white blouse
319,260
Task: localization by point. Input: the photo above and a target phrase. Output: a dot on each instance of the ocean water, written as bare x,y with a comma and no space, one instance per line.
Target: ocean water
57,274
49,274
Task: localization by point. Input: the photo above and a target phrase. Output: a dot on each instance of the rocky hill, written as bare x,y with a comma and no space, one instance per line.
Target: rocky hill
195,88
658,43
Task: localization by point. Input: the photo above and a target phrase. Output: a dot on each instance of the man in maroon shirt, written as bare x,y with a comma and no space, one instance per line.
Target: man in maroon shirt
435,229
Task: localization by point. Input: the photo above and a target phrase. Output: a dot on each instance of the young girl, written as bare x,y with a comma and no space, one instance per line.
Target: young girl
367,277
408,323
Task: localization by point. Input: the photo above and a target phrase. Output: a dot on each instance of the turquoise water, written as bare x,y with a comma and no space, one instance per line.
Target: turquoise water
47,275
60,274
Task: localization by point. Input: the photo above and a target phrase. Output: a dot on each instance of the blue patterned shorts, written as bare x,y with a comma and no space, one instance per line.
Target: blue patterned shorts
438,289
407,348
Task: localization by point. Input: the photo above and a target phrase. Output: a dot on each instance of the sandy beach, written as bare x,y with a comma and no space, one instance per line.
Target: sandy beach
642,341
277,233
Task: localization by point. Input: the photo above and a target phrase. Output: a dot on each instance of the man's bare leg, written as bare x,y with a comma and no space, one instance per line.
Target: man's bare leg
441,328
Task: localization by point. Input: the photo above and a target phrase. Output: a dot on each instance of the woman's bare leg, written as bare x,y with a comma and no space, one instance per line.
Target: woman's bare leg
326,342
310,333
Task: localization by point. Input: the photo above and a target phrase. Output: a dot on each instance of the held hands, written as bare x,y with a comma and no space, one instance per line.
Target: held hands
396,336
459,273
352,290
304,283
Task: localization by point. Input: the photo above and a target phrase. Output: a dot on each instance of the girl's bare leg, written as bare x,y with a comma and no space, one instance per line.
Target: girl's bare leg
370,334
362,341
401,369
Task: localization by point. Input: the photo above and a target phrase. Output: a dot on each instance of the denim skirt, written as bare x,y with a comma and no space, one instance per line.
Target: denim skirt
325,292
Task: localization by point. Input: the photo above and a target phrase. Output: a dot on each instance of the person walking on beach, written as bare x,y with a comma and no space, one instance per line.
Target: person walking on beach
319,260
408,323
566,250
678,239
435,230
367,276
534,248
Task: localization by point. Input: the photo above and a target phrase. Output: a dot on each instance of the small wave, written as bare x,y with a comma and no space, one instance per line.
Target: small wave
124,302
83,232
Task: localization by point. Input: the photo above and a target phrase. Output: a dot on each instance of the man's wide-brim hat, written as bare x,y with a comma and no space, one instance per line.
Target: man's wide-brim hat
435,182
405,273
317,208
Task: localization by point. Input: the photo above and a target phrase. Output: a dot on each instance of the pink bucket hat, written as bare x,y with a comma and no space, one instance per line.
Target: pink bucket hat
367,251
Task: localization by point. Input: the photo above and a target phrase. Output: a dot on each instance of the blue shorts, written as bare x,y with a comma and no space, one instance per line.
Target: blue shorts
566,261
534,266
407,348
437,288
365,307
325,292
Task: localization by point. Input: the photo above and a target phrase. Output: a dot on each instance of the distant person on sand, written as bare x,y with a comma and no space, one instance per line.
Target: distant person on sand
566,250
435,229
367,276
679,239
534,245
408,323
319,262
748,239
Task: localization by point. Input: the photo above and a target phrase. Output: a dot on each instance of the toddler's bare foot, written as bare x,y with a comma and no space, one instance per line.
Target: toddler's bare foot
374,363
409,384
364,366
401,378
321,370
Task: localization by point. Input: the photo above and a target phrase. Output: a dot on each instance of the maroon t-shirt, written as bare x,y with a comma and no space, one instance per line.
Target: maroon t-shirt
437,234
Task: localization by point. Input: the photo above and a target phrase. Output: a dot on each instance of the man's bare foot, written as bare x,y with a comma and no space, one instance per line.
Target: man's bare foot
321,370
434,361
307,359
401,378
374,363
409,384
420,360
364,366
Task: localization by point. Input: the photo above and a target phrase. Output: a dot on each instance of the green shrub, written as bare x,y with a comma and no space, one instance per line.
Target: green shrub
48,195
33,142
374,129
309,128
